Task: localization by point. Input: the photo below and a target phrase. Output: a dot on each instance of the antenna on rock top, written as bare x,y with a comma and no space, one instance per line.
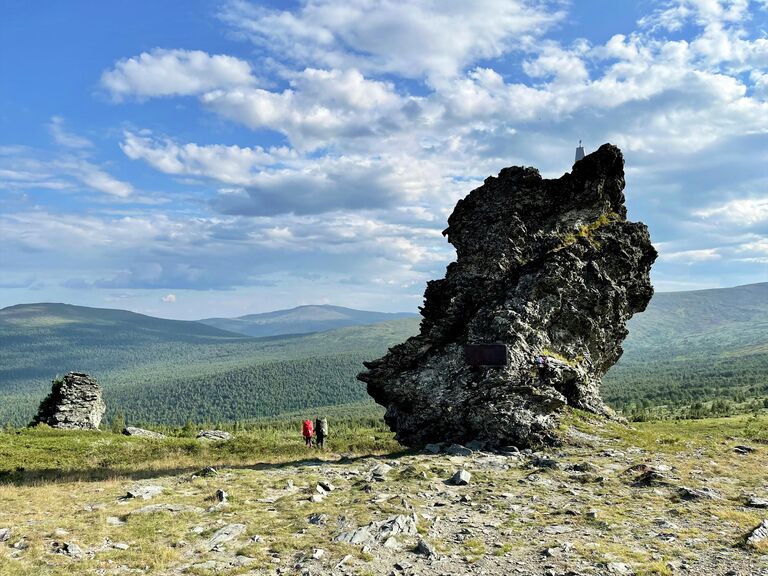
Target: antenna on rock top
579,152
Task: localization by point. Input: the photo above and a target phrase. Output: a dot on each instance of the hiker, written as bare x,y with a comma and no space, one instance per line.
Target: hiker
321,429
307,431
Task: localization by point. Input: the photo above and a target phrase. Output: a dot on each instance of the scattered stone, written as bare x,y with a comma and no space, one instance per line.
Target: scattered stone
326,486
75,403
225,534
758,536
318,553
214,435
583,467
755,502
686,493
317,497
115,521
651,477
68,549
433,448
142,433
5,533
174,508
144,492
741,449
458,450
379,472
617,568
425,549
120,546
461,478
207,471
525,247
557,529
60,533
318,519
221,496
544,462
378,532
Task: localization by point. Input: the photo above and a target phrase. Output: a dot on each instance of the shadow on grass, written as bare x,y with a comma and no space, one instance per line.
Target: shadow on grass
23,477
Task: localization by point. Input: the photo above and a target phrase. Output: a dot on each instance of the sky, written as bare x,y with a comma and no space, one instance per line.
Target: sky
202,158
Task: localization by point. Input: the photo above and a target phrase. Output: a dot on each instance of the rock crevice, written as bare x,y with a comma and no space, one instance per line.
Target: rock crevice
552,270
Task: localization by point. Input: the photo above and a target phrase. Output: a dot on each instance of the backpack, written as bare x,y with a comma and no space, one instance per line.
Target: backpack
324,427
307,429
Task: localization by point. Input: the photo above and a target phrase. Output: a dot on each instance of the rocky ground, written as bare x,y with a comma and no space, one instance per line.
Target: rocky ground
651,499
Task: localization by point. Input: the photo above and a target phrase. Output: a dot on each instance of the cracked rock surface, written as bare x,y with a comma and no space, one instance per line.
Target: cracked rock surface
75,402
552,270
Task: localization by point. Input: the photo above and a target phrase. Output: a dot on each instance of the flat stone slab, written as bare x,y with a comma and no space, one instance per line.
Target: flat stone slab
226,534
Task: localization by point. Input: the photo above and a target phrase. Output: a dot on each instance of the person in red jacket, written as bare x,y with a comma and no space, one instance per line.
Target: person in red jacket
307,430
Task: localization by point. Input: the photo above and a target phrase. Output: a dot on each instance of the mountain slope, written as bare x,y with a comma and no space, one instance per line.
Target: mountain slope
302,320
693,346
687,347
160,370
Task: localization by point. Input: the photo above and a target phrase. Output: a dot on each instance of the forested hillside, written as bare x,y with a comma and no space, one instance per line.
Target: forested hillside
691,347
688,348
301,320
157,370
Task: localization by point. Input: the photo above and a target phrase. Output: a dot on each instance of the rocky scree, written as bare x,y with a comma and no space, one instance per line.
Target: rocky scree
75,402
548,268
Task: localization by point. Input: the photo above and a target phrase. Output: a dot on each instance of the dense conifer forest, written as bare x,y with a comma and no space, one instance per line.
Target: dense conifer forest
691,354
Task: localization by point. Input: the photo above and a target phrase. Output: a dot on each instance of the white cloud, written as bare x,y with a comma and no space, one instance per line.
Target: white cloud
228,164
64,138
320,107
168,298
175,73
427,38
740,212
692,256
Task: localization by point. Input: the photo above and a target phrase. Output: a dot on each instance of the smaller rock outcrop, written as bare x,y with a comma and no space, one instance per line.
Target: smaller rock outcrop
214,435
75,402
142,433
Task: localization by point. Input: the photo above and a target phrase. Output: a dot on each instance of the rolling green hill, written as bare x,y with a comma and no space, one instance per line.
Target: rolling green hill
159,370
688,347
301,320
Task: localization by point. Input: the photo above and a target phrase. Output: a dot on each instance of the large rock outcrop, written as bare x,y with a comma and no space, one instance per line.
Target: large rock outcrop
552,270
75,402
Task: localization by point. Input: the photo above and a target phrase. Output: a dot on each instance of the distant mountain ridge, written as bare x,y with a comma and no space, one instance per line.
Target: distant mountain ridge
686,347
302,320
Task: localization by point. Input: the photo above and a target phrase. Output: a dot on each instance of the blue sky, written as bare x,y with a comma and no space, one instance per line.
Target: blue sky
208,158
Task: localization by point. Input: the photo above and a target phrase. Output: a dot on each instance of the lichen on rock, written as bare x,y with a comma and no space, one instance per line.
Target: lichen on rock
551,269
75,402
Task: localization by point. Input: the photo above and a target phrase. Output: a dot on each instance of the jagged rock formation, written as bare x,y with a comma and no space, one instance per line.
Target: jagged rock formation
552,269
75,402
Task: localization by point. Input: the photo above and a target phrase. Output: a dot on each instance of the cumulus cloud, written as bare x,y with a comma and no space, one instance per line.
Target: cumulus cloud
228,164
168,298
740,212
320,107
161,73
427,39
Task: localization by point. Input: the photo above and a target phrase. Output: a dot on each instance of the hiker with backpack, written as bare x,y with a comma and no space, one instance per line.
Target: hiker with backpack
307,430
321,429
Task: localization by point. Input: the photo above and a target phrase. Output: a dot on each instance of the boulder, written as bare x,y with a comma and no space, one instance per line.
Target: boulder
530,315
214,435
142,433
461,478
75,402
758,536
